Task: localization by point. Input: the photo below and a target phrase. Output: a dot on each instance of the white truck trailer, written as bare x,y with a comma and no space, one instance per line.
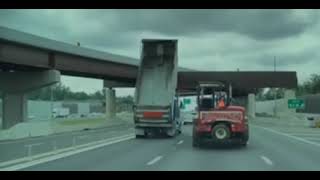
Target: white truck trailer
60,112
156,108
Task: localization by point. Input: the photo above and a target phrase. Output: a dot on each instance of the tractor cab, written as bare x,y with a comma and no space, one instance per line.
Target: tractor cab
213,95
218,120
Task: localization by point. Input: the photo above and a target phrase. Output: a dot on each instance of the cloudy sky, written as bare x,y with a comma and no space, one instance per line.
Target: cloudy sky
208,39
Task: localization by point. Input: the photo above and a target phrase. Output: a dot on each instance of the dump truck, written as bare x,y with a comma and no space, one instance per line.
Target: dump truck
156,103
219,121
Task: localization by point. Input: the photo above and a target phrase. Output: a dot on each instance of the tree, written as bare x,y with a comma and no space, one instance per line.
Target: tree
260,94
272,94
311,86
98,95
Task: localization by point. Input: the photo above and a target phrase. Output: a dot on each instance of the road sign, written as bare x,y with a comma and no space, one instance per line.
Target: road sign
186,101
295,104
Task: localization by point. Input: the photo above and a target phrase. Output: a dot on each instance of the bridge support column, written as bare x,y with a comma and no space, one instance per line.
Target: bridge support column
15,85
14,109
251,105
110,102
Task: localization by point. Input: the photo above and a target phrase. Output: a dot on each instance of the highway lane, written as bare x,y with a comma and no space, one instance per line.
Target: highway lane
266,150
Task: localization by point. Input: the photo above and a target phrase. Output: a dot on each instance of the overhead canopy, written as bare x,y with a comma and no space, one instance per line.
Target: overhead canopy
242,82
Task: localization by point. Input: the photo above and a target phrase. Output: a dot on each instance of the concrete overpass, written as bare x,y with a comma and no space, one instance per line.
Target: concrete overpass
28,62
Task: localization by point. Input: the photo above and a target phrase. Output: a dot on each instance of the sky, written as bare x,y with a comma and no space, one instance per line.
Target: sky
218,39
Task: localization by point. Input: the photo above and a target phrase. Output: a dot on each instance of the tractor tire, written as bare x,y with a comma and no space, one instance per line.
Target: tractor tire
195,139
221,132
195,142
245,138
244,143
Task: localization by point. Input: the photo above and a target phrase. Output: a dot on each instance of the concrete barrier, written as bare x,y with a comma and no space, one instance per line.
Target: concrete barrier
44,128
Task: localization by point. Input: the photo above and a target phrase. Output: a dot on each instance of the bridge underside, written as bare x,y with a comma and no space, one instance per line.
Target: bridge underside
243,83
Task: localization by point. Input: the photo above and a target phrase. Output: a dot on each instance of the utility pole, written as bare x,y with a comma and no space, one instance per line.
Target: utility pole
275,92
51,99
274,63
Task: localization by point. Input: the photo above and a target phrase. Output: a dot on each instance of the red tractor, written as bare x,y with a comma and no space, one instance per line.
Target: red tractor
218,120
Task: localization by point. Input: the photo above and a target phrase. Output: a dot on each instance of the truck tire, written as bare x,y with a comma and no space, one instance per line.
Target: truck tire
171,133
221,132
195,142
139,136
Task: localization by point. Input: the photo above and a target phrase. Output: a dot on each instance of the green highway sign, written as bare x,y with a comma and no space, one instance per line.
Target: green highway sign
186,101
295,104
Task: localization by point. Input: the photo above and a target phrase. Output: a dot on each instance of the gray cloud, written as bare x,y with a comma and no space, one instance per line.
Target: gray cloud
257,24
89,27
208,39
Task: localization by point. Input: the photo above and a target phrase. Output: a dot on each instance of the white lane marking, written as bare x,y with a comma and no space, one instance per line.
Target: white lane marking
304,134
266,160
312,138
180,142
156,159
290,136
53,156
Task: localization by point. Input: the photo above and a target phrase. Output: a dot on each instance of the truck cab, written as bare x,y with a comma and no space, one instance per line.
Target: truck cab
218,120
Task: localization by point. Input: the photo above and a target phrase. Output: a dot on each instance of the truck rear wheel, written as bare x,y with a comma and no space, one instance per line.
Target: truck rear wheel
139,136
140,133
171,133
221,132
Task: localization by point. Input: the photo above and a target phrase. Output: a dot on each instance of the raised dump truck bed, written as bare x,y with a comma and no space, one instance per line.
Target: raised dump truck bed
156,103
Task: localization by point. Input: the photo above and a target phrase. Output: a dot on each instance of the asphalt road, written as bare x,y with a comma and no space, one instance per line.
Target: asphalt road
267,150
14,149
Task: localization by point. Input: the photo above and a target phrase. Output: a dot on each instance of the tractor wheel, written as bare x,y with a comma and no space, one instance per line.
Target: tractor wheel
195,142
221,132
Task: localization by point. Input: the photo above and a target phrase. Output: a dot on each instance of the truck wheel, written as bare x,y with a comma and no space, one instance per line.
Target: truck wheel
243,143
221,132
195,142
140,133
139,136
170,134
